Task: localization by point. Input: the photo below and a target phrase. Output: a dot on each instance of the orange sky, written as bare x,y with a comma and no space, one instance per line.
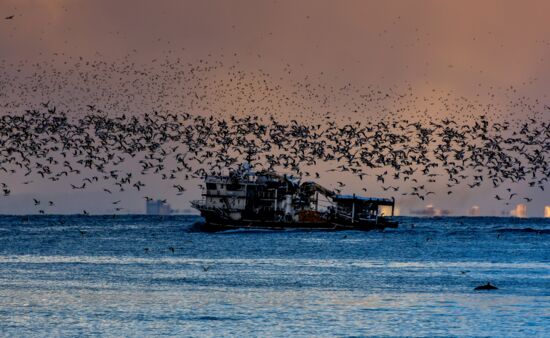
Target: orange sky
442,44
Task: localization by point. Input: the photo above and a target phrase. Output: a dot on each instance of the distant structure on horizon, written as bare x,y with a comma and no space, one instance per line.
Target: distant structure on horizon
157,207
188,211
547,211
429,210
185,211
474,211
520,211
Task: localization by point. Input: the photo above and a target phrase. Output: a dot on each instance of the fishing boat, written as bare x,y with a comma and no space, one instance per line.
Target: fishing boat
268,200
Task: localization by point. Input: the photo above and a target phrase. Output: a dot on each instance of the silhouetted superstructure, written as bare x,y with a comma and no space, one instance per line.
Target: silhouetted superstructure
248,199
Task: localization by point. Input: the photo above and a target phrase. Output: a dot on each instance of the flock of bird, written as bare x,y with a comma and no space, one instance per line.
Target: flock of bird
392,153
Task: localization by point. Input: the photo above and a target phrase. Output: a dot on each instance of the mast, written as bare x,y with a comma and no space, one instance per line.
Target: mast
317,201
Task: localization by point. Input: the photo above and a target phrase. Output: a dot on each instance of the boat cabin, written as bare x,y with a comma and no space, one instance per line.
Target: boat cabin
358,208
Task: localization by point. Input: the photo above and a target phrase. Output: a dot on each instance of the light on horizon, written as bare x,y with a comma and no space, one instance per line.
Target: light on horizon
520,211
474,211
547,211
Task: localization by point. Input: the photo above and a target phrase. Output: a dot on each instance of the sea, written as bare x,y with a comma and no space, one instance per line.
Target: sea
151,276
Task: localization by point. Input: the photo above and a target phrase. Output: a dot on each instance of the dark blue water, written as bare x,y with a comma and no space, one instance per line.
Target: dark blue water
151,276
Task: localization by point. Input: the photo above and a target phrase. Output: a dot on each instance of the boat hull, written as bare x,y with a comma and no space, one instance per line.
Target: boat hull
213,223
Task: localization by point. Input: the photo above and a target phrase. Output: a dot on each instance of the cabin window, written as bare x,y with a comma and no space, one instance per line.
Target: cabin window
234,187
211,186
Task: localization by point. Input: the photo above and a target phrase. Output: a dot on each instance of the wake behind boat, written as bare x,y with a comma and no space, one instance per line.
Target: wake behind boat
268,200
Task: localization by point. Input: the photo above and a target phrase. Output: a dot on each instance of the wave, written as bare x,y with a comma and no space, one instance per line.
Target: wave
300,262
524,230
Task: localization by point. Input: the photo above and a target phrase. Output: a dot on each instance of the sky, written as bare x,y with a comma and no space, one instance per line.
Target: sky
492,52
